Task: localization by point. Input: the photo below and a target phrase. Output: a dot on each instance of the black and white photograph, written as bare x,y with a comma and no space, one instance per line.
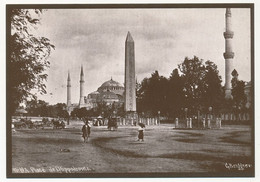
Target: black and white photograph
130,90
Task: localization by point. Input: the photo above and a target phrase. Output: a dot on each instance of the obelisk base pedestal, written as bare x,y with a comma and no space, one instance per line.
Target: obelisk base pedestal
131,118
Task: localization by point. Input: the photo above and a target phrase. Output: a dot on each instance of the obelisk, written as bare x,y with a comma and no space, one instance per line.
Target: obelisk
68,93
81,99
130,92
228,54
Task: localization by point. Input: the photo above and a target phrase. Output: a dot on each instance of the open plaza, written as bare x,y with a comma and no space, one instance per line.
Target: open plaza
165,149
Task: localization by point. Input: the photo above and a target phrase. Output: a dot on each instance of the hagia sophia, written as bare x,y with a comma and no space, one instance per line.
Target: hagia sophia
109,92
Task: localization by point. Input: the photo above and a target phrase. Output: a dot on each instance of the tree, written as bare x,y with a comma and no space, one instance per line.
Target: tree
202,85
193,73
80,112
38,108
27,59
238,91
61,110
197,88
214,94
152,94
175,96
141,96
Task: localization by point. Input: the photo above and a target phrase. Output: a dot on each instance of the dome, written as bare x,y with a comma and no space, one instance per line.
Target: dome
112,86
94,93
111,83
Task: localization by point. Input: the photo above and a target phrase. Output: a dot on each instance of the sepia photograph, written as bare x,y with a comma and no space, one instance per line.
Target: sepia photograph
130,90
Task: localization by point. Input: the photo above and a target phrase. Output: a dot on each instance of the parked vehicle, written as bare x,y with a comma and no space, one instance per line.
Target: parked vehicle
58,124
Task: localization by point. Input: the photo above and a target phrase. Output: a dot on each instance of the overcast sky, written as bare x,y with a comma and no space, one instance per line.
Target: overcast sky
95,38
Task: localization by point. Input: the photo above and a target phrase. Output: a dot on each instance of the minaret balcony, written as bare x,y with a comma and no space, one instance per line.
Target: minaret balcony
228,34
228,55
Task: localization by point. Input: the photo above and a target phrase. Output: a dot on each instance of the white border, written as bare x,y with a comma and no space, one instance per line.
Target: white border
3,87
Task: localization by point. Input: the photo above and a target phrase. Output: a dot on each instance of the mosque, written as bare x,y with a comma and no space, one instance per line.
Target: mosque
110,92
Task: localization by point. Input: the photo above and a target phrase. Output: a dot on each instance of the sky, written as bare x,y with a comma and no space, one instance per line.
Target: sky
95,39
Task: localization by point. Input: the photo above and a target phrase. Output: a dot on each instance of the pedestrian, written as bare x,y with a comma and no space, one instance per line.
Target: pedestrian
86,131
141,131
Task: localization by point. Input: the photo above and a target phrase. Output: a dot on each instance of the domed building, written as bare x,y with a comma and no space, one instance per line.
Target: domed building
91,99
110,92
111,86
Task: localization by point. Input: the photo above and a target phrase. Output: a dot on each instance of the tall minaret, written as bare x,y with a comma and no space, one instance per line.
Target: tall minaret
228,54
68,92
130,95
81,99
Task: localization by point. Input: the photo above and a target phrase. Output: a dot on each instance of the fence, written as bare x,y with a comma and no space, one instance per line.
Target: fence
146,121
204,123
229,116
32,118
238,117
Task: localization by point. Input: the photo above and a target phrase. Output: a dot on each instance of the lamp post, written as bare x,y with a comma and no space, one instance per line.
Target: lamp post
66,109
198,118
238,114
114,119
103,119
114,114
186,112
210,110
159,122
68,121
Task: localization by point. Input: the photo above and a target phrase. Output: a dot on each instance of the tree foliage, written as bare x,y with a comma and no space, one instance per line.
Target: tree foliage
193,73
238,93
28,57
152,94
198,87
102,110
80,112
176,96
43,109
214,93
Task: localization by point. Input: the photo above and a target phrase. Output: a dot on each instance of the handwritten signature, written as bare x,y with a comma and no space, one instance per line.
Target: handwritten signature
238,166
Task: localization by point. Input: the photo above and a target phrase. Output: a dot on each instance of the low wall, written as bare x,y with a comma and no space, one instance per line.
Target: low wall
204,123
146,121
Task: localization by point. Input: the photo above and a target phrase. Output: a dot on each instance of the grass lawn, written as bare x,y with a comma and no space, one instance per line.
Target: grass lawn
164,150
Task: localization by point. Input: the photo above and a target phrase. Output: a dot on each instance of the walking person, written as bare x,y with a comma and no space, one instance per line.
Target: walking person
86,131
141,132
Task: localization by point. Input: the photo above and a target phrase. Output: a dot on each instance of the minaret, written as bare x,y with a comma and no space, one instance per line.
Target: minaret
68,92
229,54
81,99
130,95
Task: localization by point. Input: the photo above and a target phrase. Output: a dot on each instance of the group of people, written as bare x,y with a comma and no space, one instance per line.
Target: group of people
87,127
